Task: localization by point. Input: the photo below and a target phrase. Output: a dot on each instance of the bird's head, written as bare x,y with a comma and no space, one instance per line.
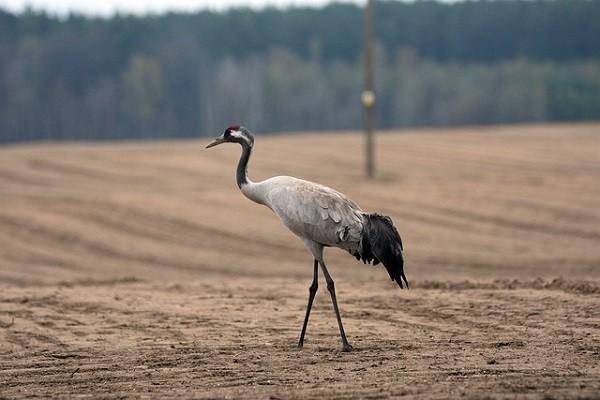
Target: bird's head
234,134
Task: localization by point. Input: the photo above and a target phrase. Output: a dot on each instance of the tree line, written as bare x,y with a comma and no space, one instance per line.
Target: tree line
178,75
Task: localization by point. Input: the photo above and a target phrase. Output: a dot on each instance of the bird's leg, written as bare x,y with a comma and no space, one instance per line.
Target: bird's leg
312,290
331,287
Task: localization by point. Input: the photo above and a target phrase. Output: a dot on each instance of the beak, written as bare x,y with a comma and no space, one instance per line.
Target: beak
215,142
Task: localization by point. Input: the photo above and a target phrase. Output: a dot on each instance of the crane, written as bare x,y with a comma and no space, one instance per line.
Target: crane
321,217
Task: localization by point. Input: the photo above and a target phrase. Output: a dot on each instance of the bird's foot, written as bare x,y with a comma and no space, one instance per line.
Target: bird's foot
300,345
346,347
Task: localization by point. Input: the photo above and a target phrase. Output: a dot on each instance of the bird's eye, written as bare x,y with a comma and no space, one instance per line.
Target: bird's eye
227,133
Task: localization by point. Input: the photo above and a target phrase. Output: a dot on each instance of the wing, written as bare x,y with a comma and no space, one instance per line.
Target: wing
317,212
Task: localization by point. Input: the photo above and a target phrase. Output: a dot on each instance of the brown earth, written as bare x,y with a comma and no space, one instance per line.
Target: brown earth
139,270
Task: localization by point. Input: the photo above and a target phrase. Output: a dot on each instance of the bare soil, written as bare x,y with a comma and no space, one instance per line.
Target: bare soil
138,270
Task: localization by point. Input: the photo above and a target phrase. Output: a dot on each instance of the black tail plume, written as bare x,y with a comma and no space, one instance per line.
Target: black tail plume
381,242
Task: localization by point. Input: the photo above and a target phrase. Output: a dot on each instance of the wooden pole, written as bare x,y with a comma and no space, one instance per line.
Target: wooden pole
368,95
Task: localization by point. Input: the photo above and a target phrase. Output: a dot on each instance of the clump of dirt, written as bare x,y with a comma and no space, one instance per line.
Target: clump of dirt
573,286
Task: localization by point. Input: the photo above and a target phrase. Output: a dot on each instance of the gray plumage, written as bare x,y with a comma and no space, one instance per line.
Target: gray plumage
321,217
311,211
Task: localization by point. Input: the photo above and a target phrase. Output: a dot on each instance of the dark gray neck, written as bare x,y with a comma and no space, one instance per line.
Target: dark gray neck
242,168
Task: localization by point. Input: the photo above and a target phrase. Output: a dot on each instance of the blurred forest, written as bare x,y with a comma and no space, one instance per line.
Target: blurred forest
178,75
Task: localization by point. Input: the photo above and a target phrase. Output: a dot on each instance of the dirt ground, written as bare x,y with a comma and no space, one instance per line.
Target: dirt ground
138,270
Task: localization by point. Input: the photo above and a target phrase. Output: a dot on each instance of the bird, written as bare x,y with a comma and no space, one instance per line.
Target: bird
321,217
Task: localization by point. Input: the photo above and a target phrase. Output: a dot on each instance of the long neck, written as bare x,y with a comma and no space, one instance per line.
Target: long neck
253,191
242,168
